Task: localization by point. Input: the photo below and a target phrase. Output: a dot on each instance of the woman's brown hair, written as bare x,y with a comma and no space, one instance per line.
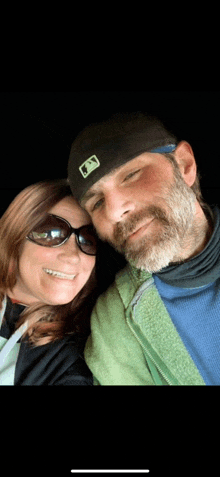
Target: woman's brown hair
46,322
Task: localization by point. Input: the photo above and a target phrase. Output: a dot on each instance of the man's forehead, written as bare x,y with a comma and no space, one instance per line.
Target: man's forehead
96,188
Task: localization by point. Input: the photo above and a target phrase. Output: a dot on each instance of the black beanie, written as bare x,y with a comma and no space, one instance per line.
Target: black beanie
104,146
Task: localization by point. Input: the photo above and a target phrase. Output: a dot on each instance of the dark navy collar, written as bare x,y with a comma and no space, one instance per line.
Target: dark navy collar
202,269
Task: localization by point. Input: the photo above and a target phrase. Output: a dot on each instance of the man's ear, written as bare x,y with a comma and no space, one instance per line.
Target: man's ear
186,160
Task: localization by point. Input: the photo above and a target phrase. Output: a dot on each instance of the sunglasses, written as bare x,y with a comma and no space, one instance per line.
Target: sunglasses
54,231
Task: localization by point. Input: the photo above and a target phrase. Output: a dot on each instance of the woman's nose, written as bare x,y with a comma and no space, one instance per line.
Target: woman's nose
70,250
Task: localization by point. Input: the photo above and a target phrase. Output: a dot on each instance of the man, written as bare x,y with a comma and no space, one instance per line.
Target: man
159,322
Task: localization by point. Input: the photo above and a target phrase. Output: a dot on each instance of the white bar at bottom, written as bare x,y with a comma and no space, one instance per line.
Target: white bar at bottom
89,471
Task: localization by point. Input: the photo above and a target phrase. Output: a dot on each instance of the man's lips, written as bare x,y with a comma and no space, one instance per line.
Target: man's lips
139,231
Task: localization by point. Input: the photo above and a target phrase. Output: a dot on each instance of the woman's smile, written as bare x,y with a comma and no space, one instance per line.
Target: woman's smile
60,275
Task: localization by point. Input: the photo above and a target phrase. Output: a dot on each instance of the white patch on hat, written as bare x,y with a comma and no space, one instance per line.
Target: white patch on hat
89,165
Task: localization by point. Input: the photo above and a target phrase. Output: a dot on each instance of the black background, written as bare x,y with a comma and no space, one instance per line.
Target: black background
37,129
156,432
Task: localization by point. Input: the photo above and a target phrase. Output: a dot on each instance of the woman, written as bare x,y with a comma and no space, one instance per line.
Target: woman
48,286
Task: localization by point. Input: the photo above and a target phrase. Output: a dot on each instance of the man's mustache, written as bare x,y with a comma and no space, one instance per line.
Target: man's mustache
123,229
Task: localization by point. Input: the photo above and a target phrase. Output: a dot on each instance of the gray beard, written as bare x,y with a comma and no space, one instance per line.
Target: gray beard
154,252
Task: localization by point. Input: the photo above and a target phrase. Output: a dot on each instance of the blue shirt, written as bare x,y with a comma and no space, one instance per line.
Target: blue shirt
195,313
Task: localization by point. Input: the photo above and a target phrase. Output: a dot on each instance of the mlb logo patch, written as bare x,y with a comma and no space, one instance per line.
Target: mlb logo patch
89,165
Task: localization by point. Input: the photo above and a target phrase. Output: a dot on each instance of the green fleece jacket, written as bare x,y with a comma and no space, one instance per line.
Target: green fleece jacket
133,340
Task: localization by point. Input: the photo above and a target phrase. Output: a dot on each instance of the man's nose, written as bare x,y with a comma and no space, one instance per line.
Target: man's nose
118,206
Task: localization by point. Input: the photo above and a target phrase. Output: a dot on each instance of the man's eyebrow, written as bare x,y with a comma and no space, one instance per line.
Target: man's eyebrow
88,195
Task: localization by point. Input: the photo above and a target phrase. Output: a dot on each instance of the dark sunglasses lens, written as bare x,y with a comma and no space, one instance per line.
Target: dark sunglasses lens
88,240
50,232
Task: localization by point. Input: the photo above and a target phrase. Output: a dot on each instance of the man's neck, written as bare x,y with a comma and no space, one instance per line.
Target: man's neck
197,237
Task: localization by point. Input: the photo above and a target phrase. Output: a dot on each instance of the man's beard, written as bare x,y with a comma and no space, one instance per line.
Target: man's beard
159,248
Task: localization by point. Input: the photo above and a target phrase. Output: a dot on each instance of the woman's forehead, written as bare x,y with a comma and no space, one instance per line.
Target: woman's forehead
69,209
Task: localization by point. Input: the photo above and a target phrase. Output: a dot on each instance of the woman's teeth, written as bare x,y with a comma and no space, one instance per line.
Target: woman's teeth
54,273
